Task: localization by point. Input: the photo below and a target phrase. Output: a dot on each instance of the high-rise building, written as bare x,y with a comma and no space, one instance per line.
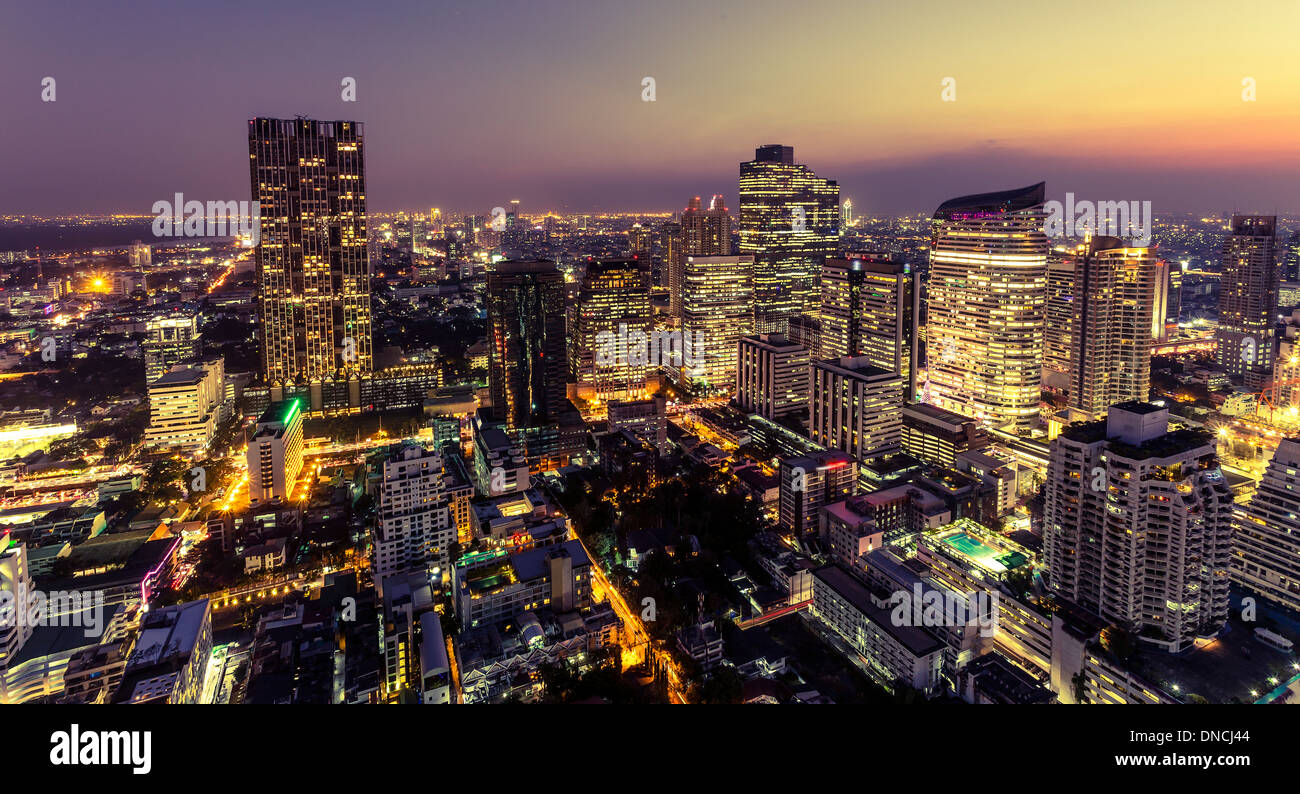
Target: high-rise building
1266,536
313,273
773,376
527,358
184,407
987,299
1248,299
170,339
640,243
809,483
716,311
856,407
789,222
1058,334
1138,525
703,233
1110,349
670,249
275,452
414,529
1284,392
528,361
16,584
613,324
499,464
870,304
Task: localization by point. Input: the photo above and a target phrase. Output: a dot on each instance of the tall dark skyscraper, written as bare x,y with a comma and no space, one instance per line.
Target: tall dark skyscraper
527,359
528,362
313,272
1248,299
790,222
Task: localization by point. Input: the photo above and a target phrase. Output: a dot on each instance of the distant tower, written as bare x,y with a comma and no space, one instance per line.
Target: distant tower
1248,299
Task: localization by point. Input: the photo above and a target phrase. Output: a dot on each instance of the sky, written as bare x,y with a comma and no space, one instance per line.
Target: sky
468,105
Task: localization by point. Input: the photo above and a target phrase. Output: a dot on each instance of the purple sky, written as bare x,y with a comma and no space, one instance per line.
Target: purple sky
470,105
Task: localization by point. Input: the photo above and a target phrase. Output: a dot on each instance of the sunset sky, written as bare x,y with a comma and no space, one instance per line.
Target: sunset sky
469,105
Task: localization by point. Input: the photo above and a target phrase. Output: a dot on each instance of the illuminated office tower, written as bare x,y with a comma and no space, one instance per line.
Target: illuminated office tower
639,242
1057,335
848,214
772,379
790,223
856,407
1165,271
1266,536
1248,299
527,357
611,354
184,407
703,233
717,305
1138,525
987,301
435,221
1110,348
275,452
170,339
313,273
869,307
670,249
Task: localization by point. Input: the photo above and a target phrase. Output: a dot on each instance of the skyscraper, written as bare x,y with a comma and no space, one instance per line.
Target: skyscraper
1266,536
1248,299
528,361
789,222
313,273
527,356
414,528
612,331
869,307
987,296
1138,525
856,407
171,338
1111,329
716,311
772,378
1058,332
702,233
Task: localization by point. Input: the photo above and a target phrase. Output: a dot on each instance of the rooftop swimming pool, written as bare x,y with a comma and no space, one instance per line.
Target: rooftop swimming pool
983,554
